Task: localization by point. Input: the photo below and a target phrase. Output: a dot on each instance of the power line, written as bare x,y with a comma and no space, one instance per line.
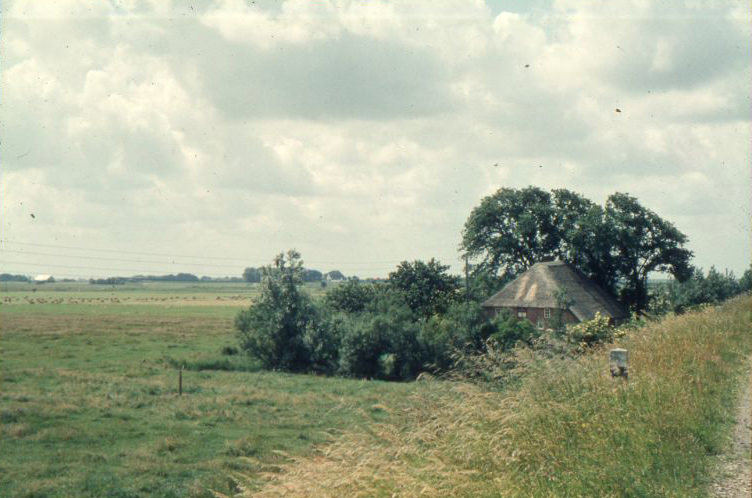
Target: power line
372,265
71,267
100,258
114,250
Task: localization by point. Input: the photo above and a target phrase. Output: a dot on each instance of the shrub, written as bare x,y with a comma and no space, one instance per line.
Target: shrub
462,329
229,350
349,297
700,289
273,329
381,345
591,332
510,331
322,340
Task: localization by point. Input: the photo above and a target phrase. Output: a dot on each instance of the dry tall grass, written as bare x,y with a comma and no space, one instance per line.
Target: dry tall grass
567,430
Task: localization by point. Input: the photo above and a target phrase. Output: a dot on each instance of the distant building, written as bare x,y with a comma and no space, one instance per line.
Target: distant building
43,279
334,275
535,296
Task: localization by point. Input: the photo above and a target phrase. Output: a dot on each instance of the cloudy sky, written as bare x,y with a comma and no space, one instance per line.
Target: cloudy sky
141,136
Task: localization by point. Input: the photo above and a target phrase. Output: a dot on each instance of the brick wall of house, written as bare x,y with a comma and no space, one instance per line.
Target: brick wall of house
537,315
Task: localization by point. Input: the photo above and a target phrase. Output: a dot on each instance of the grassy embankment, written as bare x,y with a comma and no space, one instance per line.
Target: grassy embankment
567,430
89,405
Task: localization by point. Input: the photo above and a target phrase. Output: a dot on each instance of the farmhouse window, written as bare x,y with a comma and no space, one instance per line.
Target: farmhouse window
521,312
547,313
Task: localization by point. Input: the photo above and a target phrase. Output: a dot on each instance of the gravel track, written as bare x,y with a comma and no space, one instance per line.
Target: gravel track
735,467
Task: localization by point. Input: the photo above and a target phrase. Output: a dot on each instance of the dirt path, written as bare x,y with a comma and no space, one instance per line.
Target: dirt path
735,472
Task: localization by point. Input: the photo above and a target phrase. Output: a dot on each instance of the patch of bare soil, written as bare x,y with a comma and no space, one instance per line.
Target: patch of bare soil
735,469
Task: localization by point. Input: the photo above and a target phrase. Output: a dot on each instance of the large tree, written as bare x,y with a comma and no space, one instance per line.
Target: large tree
511,230
427,288
643,242
616,246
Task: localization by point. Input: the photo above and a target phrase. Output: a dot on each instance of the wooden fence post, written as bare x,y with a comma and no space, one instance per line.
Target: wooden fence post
618,363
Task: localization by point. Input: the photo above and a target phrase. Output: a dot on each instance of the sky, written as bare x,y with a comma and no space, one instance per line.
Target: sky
154,137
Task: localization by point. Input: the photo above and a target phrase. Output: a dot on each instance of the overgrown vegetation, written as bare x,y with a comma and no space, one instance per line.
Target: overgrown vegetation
565,429
417,321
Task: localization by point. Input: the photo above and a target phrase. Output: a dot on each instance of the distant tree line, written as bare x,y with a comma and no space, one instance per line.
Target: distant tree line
254,275
7,277
221,279
109,281
180,277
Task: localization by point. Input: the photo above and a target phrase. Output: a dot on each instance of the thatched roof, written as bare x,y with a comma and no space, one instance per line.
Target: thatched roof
539,285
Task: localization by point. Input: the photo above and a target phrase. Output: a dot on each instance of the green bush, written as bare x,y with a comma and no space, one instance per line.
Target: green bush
349,297
463,328
229,350
322,340
381,345
274,329
591,332
510,331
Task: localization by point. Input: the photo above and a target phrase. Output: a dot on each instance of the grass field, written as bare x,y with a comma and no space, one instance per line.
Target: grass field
89,403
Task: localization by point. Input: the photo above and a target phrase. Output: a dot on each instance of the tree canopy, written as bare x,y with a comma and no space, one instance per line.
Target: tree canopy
427,287
616,246
643,242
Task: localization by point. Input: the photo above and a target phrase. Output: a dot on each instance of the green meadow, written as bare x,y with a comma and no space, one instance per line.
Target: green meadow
89,402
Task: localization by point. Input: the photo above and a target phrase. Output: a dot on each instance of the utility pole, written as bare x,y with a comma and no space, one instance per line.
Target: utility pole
467,281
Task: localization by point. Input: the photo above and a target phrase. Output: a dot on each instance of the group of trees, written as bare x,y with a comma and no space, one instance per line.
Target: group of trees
413,322
7,277
109,281
254,275
713,287
179,277
616,245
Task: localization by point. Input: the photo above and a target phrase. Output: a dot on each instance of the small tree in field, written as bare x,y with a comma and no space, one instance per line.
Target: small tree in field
277,329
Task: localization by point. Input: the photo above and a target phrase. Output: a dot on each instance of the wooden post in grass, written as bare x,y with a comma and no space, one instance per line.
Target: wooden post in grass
180,381
618,363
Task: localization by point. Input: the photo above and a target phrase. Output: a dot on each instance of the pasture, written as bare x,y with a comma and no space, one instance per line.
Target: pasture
89,403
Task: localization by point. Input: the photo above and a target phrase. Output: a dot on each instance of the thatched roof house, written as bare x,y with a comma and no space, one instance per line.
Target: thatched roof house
534,295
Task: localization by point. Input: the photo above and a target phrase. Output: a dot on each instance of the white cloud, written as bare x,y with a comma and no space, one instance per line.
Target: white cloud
365,131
